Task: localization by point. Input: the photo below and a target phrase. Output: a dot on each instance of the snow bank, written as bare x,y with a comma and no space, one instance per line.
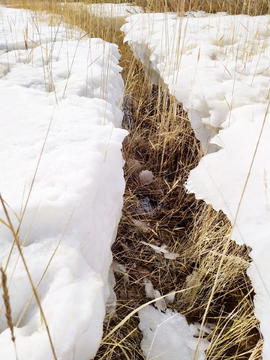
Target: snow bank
211,64
218,67
60,96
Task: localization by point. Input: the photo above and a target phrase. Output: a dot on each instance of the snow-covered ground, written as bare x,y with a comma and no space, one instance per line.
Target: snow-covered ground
218,67
62,182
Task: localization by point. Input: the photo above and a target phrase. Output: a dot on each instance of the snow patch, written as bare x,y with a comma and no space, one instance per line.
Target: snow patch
60,125
168,336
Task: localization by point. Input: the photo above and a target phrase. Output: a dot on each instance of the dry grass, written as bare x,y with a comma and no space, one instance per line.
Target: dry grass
161,140
251,7
7,303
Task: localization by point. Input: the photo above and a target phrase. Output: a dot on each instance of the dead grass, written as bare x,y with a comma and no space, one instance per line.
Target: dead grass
251,7
161,140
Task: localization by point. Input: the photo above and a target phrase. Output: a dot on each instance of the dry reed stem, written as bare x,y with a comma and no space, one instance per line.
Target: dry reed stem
7,303
8,308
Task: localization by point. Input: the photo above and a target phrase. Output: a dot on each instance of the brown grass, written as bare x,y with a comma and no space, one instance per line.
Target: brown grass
232,7
7,303
161,140
8,307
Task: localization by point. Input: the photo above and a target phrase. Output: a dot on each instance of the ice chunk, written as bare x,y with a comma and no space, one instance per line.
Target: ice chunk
146,177
168,336
162,249
151,293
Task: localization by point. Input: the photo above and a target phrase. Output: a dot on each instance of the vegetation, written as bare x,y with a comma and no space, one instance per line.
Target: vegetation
161,140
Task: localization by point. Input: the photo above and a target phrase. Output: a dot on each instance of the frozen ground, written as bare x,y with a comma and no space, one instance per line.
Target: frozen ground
62,180
218,67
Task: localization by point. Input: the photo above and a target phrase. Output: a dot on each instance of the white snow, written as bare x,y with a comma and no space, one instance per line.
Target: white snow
211,64
111,10
168,336
60,126
218,67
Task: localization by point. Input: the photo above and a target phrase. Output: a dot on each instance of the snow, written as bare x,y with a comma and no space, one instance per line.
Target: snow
115,10
218,67
60,126
167,335
211,64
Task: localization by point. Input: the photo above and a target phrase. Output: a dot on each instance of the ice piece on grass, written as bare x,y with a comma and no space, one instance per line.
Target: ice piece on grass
160,303
151,293
133,164
171,256
149,289
162,249
146,177
111,300
120,268
168,336
170,298
141,224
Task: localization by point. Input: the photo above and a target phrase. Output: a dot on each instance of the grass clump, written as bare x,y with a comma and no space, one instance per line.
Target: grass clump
232,7
161,140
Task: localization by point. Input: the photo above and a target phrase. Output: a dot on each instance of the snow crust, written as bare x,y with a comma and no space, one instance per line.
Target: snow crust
218,67
60,125
167,335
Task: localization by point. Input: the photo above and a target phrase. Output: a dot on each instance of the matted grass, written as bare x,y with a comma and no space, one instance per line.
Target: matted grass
161,140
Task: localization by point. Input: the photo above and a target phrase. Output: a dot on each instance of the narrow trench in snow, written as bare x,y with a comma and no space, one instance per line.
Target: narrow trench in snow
162,141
